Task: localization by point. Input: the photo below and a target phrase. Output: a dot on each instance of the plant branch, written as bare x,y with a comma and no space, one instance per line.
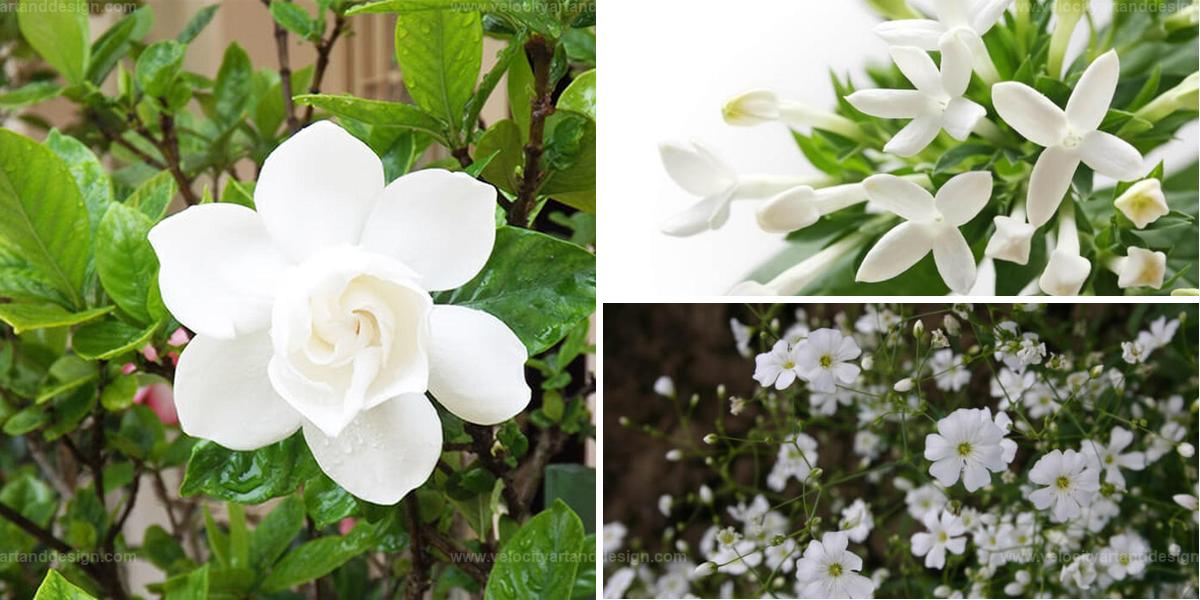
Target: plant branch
481,446
453,551
104,575
169,146
285,71
119,524
418,577
541,53
47,468
324,49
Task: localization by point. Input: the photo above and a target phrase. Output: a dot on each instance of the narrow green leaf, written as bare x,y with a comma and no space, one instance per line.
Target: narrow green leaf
125,260
109,338
239,537
28,94
440,53
275,533
321,556
158,66
42,214
515,47
376,112
520,92
153,196
58,30
294,19
197,24
24,316
233,84
190,586
116,42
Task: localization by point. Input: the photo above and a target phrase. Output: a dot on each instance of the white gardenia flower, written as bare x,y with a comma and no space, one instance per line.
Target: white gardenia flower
1111,459
1125,555
968,442
701,173
315,313
1143,203
1070,483
1139,268
779,367
961,19
936,104
823,360
931,224
857,521
1069,136
1081,572
945,532
828,570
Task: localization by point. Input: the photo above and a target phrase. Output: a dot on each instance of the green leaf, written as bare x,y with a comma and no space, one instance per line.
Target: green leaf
239,537
56,587
30,93
376,112
153,196
90,175
125,260
571,150
249,477
118,394
239,192
116,42
505,57
20,281
158,66
541,560
275,533
24,316
502,139
141,434
190,586
58,30
197,24
440,53
42,214
233,84
520,92
109,338
326,502
538,285
26,420
164,551
580,96
585,578
321,556
294,19
575,485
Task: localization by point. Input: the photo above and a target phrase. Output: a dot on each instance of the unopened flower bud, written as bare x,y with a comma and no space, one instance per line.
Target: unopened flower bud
918,329
704,570
904,385
951,325
674,455
1143,203
1186,450
710,439
816,473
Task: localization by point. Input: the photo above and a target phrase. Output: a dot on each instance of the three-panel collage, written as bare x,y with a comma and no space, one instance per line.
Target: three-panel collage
411,299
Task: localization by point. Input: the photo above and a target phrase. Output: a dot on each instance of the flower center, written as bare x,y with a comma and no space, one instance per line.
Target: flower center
964,449
1071,140
826,361
1062,483
835,570
1123,559
1108,459
942,536
789,365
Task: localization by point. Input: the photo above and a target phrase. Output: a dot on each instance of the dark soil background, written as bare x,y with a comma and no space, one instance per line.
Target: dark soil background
693,344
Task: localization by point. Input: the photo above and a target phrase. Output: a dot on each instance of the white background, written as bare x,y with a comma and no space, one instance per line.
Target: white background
668,67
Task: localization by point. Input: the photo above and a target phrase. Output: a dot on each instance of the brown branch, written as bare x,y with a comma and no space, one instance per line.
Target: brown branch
541,53
124,143
37,452
481,445
104,573
119,524
463,155
169,146
42,535
285,71
160,490
529,474
457,555
418,577
324,49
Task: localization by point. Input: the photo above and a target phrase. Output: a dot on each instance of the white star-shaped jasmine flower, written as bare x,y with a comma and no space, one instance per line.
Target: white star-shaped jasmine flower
1139,268
1143,203
964,20
936,104
931,224
1013,237
1069,136
968,442
702,173
1067,270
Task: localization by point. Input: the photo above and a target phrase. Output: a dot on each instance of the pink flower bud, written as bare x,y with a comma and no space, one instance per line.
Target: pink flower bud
128,368
179,337
150,353
345,525
160,398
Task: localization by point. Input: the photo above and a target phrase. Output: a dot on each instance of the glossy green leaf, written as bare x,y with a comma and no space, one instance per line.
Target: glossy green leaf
294,19
538,285
503,140
520,92
28,94
58,30
376,112
585,578
440,53
575,485
326,502
189,586
249,477
116,42
19,281
233,84
153,196
118,394
164,551
580,96
24,316
125,260
541,560
197,24
90,175
571,158
42,214
56,587
108,338
275,533
158,66
321,556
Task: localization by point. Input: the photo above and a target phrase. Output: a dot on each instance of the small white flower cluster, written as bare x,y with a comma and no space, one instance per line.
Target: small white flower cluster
822,359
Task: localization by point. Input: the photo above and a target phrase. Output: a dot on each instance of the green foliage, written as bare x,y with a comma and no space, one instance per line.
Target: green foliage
56,587
58,30
439,53
249,477
542,559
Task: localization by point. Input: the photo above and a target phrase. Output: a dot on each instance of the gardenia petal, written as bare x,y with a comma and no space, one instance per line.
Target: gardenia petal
963,196
897,251
476,365
1112,156
441,224
385,452
954,260
919,69
1026,110
696,169
222,393
915,136
900,196
1093,93
922,33
317,188
960,118
1049,182
218,269
890,104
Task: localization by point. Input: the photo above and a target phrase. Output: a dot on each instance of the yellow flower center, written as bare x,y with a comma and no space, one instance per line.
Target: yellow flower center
826,361
835,570
789,365
942,536
964,449
1062,483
